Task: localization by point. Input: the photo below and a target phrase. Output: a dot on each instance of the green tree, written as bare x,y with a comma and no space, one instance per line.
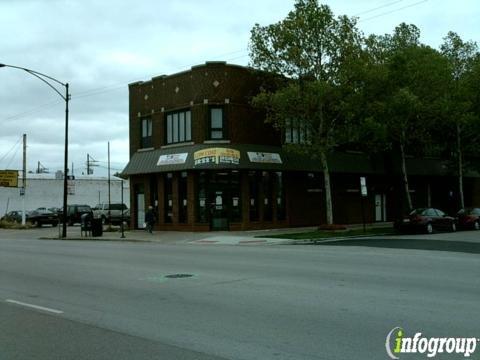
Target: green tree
320,56
407,82
459,106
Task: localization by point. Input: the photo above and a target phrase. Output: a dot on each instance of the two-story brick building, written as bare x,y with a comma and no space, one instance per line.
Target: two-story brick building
206,160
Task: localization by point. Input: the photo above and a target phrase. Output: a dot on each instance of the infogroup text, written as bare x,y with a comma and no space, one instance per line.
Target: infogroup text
397,343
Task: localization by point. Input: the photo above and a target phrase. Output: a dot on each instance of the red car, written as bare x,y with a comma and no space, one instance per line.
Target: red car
469,218
426,220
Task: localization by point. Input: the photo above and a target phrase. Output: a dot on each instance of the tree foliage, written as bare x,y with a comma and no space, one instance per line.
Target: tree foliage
377,93
460,114
320,55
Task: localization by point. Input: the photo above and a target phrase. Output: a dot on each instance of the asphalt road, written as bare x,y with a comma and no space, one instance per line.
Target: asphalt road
109,300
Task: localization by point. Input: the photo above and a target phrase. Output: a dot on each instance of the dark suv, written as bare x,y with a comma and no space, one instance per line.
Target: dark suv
75,212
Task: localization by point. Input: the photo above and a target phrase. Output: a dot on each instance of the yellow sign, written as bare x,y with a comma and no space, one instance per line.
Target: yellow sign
9,178
216,156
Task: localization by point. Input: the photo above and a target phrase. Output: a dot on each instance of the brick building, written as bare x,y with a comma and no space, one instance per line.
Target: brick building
206,160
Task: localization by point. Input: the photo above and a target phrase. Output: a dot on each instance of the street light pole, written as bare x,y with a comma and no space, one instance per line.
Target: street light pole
65,167
66,98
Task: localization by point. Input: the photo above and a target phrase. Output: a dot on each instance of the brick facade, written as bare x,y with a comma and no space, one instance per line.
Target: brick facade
251,197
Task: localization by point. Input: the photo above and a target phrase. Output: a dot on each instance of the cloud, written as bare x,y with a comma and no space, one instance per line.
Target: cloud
98,47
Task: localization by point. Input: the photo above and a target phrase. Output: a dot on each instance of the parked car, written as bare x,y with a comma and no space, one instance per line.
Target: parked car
112,214
13,216
42,216
469,218
426,220
74,213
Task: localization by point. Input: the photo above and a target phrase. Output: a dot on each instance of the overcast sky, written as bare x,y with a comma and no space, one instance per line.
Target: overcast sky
101,46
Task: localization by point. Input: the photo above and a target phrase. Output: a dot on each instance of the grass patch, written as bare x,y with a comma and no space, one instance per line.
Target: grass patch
326,234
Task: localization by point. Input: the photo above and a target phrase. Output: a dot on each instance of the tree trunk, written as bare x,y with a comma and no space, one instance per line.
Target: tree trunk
405,178
327,187
460,168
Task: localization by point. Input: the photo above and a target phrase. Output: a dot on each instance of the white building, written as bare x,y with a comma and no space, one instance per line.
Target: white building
44,190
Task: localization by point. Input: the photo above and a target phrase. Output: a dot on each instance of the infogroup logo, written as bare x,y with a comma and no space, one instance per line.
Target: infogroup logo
397,343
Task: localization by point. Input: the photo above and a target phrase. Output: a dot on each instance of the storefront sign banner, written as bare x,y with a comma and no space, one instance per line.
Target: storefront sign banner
9,178
264,157
172,159
217,156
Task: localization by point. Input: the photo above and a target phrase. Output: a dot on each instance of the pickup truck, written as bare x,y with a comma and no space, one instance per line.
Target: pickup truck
112,215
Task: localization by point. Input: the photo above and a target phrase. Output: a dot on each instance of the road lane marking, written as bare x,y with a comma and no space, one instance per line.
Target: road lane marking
34,306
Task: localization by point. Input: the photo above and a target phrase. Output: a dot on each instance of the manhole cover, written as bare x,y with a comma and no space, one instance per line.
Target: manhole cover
177,276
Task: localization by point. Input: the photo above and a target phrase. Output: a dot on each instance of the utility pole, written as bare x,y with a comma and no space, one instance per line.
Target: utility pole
41,169
24,178
122,226
109,204
91,162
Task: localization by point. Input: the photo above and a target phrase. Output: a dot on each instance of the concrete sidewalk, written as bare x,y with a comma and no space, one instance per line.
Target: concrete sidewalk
170,237
163,237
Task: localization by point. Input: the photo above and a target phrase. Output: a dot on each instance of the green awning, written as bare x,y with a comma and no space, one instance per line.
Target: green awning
244,157
274,158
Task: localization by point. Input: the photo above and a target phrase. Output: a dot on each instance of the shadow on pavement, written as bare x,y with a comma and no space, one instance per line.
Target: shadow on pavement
414,244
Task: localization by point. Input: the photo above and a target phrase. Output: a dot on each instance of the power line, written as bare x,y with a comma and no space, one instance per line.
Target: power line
110,88
106,167
392,11
113,87
6,154
13,156
32,110
378,7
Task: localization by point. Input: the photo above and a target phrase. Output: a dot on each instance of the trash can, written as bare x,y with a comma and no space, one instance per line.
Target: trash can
86,224
97,227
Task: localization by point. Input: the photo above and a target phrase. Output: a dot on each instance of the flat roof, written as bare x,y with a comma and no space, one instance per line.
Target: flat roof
194,67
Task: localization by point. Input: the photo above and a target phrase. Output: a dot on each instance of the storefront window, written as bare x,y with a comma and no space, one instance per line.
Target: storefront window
168,191
236,207
182,197
202,197
314,182
267,196
218,197
280,196
253,197
154,194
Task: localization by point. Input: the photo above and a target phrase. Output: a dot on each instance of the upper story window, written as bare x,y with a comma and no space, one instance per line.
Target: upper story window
178,127
217,129
146,132
296,132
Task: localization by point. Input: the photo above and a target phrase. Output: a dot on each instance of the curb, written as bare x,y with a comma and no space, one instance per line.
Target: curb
91,239
336,239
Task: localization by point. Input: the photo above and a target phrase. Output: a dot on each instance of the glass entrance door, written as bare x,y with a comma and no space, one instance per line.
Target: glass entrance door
219,215
219,196
140,210
218,199
380,207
